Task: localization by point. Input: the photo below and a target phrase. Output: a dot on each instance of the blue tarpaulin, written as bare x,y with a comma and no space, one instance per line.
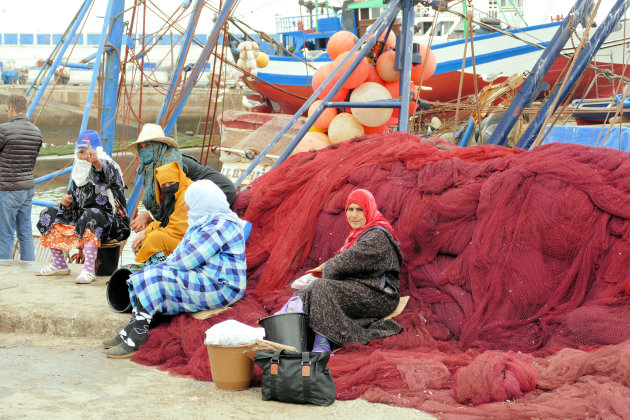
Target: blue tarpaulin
8,76
591,135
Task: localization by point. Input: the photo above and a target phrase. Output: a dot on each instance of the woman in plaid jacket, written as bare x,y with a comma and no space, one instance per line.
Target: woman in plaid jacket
205,271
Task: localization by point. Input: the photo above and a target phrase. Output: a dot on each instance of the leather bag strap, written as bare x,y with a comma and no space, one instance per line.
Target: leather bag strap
306,377
273,370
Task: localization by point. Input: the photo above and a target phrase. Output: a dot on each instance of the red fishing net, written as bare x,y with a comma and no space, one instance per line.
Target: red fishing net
515,262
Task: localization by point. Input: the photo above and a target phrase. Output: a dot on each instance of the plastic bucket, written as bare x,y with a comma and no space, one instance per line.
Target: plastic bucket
231,369
107,259
118,292
289,329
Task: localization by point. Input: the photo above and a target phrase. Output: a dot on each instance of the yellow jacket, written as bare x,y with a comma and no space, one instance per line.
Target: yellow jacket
166,238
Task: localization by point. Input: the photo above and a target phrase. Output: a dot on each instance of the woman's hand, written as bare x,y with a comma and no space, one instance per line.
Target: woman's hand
92,157
137,241
66,201
141,221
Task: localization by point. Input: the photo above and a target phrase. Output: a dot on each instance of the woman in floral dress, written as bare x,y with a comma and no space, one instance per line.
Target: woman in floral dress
94,210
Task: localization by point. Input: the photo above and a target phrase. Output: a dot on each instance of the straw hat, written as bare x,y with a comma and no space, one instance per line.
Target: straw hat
151,132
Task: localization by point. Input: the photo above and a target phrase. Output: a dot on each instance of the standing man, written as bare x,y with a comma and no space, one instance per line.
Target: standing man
20,141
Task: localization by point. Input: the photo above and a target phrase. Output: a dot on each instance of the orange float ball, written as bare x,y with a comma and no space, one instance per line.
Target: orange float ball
344,127
341,41
391,40
324,119
262,60
312,140
375,130
374,77
320,75
394,89
385,67
358,76
429,63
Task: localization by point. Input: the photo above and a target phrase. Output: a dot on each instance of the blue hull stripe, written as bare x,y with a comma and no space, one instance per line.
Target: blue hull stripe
444,67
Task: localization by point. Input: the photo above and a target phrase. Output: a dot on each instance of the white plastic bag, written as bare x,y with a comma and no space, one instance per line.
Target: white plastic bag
233,333
304,281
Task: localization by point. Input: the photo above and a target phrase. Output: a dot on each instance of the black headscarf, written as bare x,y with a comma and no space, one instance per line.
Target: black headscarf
167,204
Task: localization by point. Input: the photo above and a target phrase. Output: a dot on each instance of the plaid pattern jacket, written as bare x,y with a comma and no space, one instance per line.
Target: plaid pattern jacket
207,270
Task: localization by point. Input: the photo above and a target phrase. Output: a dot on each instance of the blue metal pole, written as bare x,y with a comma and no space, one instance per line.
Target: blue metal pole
529,89
463,142
44,203
224,14
52,175
589,51
55,64
83,66
46,65
111,71
181,60
379,27
135,194
97,64
405,70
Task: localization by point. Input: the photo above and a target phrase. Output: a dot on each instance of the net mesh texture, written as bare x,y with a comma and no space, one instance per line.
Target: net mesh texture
516,264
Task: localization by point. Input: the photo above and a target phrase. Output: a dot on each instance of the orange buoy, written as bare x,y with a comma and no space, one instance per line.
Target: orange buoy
320,75
385,67
341,41
367,92
324,119
344,127
262,60
429,63
358,76
375,130
312,140
394,90
391,40
374,77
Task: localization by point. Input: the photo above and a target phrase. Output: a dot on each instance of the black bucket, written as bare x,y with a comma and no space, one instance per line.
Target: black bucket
117,291
289,329
107,259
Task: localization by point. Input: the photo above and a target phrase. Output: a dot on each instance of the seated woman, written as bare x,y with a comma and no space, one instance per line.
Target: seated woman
206,270
154,150
93,211
359,285
160,237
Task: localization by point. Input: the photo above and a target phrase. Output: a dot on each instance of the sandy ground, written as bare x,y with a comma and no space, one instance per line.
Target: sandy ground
45,376
52,364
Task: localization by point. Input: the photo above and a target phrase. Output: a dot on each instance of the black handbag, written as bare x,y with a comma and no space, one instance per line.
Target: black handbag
293,377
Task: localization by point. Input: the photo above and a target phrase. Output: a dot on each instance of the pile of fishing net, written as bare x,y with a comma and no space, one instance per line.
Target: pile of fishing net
515,264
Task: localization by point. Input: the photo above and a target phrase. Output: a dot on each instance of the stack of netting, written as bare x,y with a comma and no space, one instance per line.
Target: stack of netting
515,262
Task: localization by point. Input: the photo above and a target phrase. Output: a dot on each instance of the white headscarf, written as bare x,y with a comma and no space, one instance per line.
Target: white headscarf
81,171
206,201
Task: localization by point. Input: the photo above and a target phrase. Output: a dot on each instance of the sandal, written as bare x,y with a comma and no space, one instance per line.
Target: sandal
85,277
51,270
121,351
112,342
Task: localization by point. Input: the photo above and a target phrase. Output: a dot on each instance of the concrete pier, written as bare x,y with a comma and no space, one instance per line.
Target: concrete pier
52,364
54,305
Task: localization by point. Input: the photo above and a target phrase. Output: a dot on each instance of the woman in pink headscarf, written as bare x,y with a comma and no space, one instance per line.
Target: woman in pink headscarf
359,285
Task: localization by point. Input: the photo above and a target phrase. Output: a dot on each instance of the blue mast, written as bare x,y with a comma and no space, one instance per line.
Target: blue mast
111,72
589,51
529,90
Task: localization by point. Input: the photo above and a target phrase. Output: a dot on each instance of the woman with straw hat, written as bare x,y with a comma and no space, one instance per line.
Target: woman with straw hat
155,149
